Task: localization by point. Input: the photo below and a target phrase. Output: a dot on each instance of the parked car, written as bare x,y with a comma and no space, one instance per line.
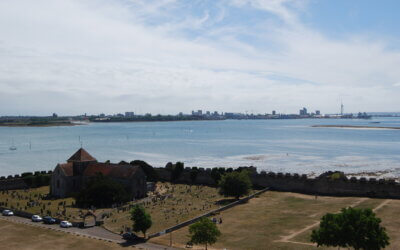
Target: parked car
65,224
7,212
36,218
129,236
48,220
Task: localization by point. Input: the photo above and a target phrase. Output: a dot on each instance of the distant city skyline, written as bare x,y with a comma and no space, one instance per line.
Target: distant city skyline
169,56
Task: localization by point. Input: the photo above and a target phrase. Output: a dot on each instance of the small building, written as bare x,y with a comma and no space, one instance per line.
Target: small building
72,176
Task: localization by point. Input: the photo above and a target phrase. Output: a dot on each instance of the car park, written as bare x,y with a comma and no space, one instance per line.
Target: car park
36,218
7,212
65,224
48,220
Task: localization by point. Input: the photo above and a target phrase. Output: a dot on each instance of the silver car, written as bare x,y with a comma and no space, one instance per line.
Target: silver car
65,224
36,218
7,212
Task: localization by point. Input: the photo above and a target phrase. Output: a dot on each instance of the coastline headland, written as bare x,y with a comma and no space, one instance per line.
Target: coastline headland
353,126
50,124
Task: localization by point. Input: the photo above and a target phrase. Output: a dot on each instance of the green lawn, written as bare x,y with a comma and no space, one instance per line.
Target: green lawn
264,221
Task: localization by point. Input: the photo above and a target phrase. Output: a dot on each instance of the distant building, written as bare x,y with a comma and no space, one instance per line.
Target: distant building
317,112
72,176
197,113
303,111
102,115
208,113
55,115
273,112
129,114
215,113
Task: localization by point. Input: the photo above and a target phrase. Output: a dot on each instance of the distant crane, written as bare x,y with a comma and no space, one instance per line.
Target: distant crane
341,109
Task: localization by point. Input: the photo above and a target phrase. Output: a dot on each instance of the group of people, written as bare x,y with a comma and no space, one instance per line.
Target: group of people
217,221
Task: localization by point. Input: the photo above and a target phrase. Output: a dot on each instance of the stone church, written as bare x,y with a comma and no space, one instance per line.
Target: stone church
72,176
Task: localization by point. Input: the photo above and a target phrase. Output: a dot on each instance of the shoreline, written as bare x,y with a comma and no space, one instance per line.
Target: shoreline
39,125
353,126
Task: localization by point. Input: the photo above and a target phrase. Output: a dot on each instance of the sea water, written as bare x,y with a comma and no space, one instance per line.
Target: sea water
271,145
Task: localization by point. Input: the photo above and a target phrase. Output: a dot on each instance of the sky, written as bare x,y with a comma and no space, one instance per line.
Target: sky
168,56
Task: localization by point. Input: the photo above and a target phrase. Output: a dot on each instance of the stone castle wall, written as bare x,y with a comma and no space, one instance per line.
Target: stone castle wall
301,183
14,183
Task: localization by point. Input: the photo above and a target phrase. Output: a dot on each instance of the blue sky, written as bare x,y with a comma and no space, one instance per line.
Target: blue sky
167,56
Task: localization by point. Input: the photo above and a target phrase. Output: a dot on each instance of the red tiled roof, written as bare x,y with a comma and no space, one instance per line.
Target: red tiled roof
111,170
67,168
81,155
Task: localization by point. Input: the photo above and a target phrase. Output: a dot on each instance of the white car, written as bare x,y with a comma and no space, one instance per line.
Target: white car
36,218
65,224
7,212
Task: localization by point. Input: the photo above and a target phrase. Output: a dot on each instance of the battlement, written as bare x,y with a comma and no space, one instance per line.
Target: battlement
329,183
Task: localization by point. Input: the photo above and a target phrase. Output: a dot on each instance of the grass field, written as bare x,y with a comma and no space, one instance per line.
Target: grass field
18,236
184,202
273,220
265,221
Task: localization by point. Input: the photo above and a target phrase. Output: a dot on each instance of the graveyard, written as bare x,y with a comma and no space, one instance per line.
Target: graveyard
36,201
169,205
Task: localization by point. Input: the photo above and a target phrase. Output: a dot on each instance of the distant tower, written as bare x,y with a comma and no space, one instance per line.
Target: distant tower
341,108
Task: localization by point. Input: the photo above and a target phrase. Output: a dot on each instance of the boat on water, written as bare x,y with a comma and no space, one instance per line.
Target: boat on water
13,147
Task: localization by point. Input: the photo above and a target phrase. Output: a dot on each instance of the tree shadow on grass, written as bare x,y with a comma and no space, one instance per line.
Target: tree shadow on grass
130,243
224,202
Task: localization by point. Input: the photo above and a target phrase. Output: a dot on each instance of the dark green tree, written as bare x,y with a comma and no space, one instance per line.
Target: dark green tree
215,175
177,170
141,219
193,174
204,231
235,184
352,227
151,174
101,191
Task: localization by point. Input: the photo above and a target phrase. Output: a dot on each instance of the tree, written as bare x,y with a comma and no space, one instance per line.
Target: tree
177,170
101,191
141,219
193,174
151,174
235,184
204,231
352,227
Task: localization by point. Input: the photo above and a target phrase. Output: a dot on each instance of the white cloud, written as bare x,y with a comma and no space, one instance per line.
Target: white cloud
159,56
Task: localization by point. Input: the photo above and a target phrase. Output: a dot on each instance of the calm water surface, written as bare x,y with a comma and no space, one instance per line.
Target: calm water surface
272,145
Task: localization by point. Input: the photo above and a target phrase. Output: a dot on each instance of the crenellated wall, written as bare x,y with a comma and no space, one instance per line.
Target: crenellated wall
17,181
12,183
382,188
